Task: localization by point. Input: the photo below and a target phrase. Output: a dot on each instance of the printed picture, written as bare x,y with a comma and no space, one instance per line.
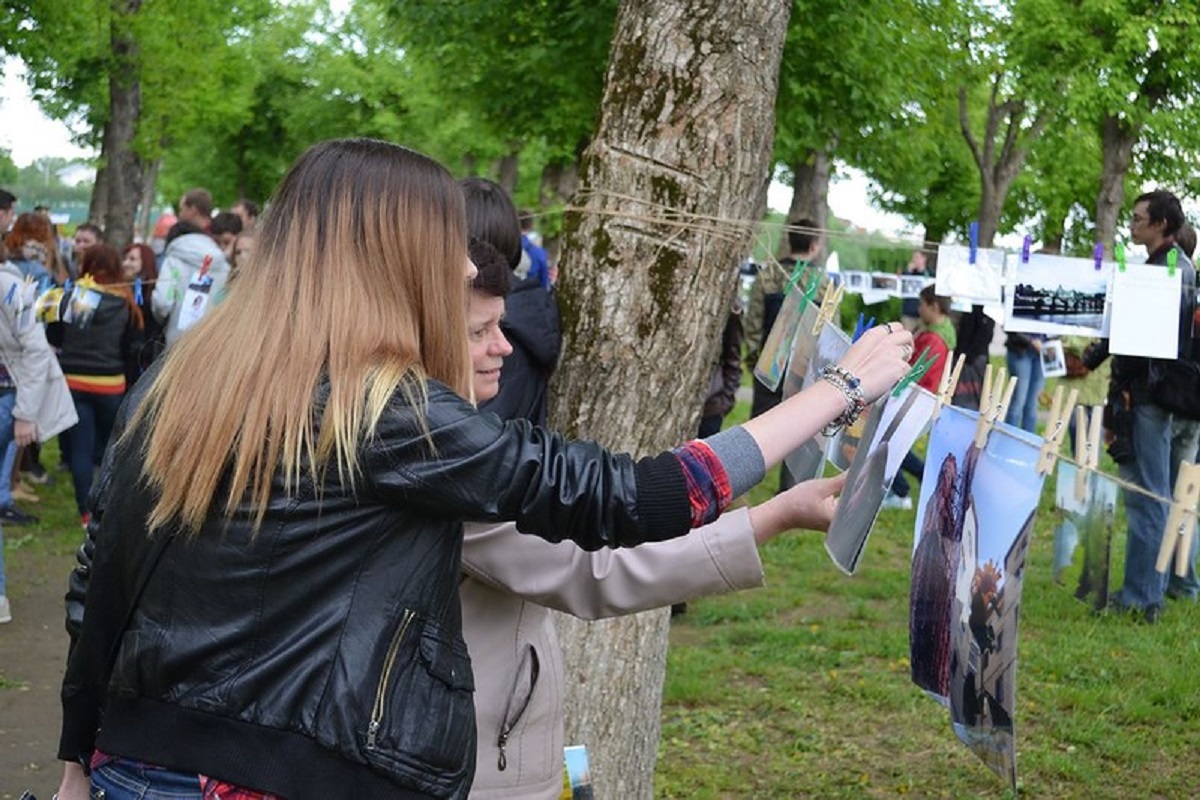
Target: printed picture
808,461
911,285
577,783
804,344
959,279
1054,360
1088,525
1058,295
892,427
974,519
886,282
772,362
855,281
1133,331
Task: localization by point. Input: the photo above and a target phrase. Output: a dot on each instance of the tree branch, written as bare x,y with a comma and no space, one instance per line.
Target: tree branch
965,123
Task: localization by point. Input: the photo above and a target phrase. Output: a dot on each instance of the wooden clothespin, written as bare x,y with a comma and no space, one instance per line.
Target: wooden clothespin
829,306
993,400
1181,522
1056,427
945,394
1087,448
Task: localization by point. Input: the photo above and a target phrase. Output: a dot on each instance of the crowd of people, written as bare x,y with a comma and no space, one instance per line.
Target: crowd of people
400,469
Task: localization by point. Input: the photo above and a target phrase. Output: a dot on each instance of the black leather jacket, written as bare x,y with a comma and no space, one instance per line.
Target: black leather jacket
322,657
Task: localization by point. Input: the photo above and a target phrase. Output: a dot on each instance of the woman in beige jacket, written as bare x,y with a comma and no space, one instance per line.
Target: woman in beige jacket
511,581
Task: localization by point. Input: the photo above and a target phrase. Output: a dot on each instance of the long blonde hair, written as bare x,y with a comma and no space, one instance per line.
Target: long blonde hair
358,279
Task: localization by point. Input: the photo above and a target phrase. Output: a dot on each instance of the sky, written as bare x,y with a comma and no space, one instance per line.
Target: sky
29,134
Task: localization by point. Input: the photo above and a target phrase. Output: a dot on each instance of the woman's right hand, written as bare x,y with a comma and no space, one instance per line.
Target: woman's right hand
75,784
879,359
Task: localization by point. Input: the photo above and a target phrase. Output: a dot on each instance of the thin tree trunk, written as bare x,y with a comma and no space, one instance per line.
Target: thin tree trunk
810,189
559,182
122,163
99,202
1117,140
146,206
935,234
686,124
507,172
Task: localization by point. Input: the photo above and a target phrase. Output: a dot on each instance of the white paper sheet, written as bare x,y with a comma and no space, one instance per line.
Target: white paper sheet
1145,311
959,279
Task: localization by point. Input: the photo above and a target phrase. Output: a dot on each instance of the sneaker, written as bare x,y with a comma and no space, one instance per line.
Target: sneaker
5,610
37,475
898,502
11,515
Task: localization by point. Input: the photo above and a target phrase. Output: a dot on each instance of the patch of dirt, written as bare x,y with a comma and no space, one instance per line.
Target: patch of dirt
33,651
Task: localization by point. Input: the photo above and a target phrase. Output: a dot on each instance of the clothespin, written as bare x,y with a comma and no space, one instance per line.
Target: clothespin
994,399
1087,448
1172,261
919,368
1056,427
861,327
794,279
945,394
205,264
12,290
1181,521
973,234
137,290
1098,255
1025,245
829,306
67,286
1119,254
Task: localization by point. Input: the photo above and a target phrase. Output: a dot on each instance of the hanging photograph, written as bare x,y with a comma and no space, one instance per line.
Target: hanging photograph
804,344
1054,360
973,524
959,279
911,285
1058,295
808,461
885,283
1087,525
892,427
772,362
1133,331
856,282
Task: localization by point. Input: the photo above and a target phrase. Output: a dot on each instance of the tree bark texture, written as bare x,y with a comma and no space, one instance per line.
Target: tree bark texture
122,164
507,171
1117,140
810,191
649,259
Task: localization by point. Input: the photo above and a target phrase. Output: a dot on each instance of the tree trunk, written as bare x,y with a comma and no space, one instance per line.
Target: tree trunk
122,164
99,201
684,138
991,204
145,219
506,173
1117,140
810,190
935,234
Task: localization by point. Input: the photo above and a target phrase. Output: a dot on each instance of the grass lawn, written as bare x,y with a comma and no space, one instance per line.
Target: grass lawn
802,689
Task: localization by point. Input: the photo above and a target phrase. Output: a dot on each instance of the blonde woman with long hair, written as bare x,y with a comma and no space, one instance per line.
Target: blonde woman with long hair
272,566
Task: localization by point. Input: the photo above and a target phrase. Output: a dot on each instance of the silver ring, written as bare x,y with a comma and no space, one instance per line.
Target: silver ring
888,326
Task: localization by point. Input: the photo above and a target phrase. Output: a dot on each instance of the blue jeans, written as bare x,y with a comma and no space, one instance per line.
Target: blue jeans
129,780
1185,441
1144,585
1027,367
89,437
7,401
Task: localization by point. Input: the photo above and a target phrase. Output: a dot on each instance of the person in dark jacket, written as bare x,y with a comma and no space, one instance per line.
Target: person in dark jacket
531,322
139,263
96,347
336,461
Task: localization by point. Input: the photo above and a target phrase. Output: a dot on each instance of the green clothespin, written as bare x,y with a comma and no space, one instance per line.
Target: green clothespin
1172,260
1119,252
915,374
797,273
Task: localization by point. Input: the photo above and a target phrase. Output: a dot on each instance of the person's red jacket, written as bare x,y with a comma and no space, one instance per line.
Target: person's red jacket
937,347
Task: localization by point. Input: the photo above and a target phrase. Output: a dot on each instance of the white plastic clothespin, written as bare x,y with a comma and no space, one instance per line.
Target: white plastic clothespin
1056,427
829,306
1181,522
945,393
1087,448
993,401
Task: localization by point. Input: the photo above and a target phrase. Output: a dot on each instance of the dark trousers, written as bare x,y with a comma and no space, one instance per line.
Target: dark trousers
89,437
914,466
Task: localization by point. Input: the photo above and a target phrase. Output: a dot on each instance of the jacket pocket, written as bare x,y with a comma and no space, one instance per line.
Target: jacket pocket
422,719
518,701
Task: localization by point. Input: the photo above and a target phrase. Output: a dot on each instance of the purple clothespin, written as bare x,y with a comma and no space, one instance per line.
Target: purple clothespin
1025,245
1098,255
973,232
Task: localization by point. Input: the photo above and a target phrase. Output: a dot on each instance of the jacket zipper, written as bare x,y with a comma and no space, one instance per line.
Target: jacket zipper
507,726
389,662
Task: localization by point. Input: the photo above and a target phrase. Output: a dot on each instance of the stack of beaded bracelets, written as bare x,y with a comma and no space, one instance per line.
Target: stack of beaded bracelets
851,388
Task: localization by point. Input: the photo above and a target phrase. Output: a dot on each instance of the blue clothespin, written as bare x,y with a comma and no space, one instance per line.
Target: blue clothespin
862,327
12,291
1119,252
1098,255
1025,245
137,290
973,232
67,287
919,368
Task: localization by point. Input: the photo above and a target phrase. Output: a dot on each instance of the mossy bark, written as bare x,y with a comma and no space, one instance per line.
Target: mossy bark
683,146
